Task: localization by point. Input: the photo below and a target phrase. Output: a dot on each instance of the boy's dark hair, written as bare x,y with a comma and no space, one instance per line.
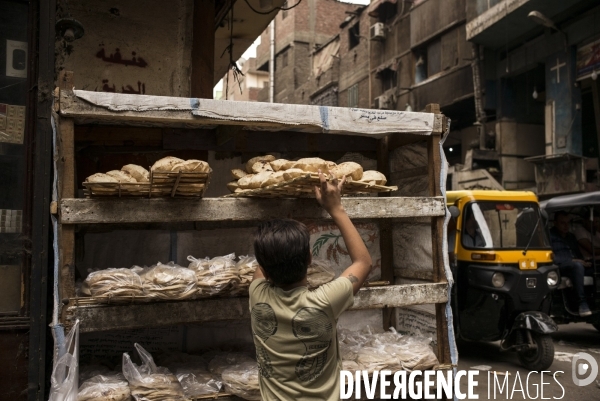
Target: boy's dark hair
282,248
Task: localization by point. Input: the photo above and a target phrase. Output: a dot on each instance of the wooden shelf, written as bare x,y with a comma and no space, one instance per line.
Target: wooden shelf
121,210
103,317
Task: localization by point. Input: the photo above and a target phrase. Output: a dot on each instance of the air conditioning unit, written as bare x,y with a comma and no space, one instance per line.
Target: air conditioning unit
378,31
383,102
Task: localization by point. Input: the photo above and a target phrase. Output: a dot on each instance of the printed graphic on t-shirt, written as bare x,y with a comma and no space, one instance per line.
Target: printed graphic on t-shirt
265,326
313,327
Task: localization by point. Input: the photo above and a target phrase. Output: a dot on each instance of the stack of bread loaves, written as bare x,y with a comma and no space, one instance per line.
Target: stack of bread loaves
264,171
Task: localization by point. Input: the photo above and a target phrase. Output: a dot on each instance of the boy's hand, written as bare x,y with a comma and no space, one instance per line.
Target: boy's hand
329,194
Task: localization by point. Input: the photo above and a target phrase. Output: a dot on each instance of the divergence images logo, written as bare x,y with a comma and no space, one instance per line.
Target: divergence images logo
581,368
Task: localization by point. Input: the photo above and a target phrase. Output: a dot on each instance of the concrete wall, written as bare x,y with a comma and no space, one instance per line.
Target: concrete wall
126,48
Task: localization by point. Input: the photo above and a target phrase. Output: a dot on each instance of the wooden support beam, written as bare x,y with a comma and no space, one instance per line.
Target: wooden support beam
66,188
596,101
168,210
131,316
437,227
203,49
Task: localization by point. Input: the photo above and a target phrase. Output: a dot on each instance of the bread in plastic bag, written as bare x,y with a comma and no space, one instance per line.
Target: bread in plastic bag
215,276
246,267
319,272
64,381
105,388
114,283
198,382
223,360
168,281
86,372
242,380
149,382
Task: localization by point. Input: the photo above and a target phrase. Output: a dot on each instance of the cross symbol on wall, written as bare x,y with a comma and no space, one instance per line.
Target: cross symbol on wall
557,68
506,221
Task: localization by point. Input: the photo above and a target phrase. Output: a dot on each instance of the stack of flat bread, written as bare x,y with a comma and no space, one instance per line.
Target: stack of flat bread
215,276
129,174
264,171
168,281
114,283
104,388
246,267
242,380
176,165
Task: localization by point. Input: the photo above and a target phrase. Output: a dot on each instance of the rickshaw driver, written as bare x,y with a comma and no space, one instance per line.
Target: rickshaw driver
472,237
568,257
584,233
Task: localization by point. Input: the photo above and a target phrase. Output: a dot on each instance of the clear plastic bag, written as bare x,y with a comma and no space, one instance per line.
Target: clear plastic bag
223,360
196,382
105,388
64,381
242,380
246,267
215,276
149,382
168,281
114,283
319,272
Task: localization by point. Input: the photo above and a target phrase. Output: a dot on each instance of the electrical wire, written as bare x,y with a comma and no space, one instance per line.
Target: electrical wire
274,9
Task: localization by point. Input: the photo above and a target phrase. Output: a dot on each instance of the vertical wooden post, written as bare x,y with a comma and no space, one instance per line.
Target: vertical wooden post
437,227
66,189
386,240
203,49
596,102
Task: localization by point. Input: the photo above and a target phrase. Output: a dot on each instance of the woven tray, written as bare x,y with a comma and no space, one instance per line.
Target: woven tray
303,187
162,184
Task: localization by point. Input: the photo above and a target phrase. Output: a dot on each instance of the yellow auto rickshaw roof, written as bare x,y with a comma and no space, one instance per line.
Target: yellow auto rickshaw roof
453,196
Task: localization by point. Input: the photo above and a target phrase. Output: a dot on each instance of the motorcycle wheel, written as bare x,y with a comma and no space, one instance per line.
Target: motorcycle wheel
541,358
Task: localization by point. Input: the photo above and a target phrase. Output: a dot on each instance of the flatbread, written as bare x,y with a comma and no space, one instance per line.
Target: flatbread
192,166
261,166
281,164
373,177
121,176
100,177
166,163
313,165
348,169
293,173
238,173
138,172
232,186
267,158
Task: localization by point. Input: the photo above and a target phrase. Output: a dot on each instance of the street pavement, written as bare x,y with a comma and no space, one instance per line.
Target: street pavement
569,340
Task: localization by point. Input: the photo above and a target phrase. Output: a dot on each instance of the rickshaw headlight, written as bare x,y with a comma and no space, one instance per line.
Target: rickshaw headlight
552,279
498,280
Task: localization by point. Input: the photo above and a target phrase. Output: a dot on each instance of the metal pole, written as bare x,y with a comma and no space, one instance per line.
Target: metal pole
272,63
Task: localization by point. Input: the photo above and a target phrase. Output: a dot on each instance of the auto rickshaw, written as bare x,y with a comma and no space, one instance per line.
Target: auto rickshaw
564,300
501,259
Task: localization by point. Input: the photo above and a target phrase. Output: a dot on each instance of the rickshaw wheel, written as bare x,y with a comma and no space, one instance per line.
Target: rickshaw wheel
540,358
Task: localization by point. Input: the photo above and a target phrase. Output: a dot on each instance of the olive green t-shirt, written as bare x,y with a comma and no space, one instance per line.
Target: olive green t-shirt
296,339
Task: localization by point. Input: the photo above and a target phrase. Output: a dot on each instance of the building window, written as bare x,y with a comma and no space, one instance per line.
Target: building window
387,78
428,61
354,36
353,96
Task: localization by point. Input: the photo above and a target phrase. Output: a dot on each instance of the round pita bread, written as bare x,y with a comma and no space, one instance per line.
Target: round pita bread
192,165
281,164
261,166
121,176
166,163
349,169
232,186
373,177
244,182
100,177
267,158
313,164
138,172
238,173
293,173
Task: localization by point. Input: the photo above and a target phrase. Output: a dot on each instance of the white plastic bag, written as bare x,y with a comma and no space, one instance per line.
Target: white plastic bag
246,267
64,381
114,283
196,382
106,388
149,382
242,380
215,276
168,281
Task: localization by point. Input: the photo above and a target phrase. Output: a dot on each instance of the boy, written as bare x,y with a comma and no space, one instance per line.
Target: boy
294,329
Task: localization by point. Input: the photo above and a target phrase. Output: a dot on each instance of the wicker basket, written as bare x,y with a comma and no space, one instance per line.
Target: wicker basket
303,187
162,184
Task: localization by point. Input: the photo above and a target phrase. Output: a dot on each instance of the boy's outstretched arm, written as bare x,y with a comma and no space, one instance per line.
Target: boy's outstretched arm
330,198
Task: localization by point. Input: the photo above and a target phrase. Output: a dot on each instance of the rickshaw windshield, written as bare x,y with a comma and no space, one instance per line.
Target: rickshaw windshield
503,225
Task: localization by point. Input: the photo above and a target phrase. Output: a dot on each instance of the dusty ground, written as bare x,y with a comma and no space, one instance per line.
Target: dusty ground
569,340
